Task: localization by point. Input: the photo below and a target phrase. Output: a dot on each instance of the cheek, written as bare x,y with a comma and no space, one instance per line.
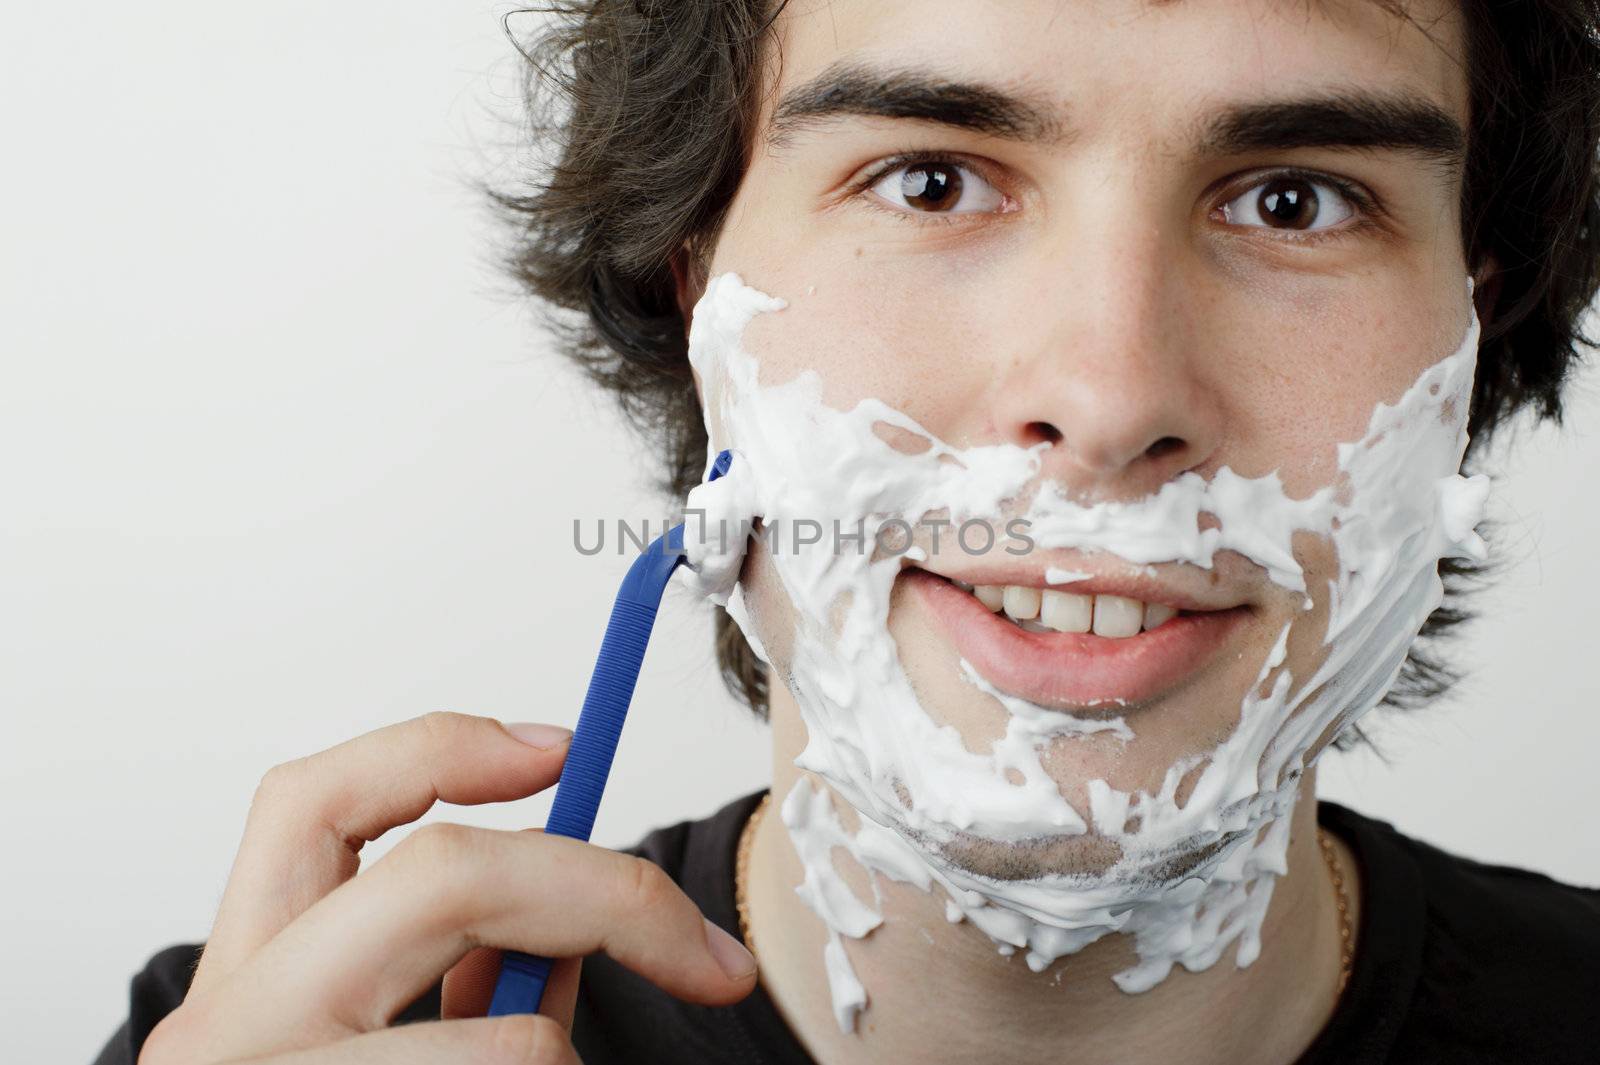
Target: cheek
924,356
1308,631
1295,366
770,610
1301,370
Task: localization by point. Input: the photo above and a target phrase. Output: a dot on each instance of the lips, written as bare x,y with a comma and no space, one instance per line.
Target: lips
1072,670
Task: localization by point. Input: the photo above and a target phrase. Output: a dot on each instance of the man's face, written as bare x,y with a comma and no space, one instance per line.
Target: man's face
1153,238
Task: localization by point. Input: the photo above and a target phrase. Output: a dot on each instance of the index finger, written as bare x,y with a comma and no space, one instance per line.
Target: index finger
352,962
311,817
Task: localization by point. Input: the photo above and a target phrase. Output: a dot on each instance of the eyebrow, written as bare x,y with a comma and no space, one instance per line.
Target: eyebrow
1398,121
847,88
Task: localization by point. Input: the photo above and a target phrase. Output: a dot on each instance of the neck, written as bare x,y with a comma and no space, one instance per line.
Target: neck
941,991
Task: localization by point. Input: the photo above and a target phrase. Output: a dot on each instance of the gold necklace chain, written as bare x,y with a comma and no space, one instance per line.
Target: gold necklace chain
1347,946
741,871
1347,938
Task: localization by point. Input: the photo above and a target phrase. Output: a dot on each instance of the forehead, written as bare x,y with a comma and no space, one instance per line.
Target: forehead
1099,64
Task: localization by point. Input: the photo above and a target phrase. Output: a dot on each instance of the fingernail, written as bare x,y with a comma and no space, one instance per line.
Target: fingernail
546,737
731,955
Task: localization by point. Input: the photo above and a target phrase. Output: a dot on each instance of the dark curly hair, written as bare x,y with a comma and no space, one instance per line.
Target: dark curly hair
646,108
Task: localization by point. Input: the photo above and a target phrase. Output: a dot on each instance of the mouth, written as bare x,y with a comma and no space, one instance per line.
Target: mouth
1088,650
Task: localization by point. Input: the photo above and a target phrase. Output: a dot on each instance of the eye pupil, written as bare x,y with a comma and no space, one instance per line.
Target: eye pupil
1289,201
931,186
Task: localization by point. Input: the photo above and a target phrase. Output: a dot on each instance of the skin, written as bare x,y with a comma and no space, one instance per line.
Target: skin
1116,291
308,962
1163,318
1232,344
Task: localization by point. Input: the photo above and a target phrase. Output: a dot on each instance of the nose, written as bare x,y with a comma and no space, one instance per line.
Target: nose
1111,372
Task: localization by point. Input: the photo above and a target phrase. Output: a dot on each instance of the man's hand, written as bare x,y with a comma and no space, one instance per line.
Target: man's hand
308,962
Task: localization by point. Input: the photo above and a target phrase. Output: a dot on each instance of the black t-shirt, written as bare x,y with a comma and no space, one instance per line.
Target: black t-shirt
1458,963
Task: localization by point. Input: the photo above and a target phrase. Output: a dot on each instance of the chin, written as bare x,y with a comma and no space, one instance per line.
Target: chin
1090,858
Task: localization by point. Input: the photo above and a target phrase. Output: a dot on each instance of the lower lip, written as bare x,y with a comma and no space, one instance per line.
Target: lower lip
1072,670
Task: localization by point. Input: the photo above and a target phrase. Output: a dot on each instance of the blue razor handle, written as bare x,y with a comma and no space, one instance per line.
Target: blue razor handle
520,986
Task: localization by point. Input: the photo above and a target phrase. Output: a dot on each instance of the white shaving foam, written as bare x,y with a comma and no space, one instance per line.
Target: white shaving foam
1396,507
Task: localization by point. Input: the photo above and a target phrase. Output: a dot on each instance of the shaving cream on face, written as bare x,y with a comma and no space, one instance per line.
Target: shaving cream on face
717,524
1396,506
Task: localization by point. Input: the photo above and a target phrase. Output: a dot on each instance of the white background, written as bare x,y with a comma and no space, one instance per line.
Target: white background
283,458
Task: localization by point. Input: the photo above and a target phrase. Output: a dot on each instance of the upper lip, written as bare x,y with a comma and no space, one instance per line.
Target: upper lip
1177,588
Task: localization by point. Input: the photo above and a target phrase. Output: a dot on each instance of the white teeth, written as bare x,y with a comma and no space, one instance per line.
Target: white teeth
990,595
1117,616
1158,614
1021,602
1053,610
1066,611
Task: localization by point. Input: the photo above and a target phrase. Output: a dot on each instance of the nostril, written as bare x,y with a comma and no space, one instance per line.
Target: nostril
1165,446
1044,431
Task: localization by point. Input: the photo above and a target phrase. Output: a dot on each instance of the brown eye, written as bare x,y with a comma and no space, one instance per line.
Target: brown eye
931,186
1288,202
937,186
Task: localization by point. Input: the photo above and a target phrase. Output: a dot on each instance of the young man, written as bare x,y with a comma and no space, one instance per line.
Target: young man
1208,296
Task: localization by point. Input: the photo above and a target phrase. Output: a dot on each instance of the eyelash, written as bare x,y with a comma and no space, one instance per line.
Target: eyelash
1365,215
1366,207
910,158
